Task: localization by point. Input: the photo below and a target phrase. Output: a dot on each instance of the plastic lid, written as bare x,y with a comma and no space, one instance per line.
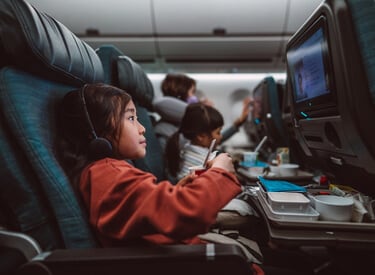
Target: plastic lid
288,197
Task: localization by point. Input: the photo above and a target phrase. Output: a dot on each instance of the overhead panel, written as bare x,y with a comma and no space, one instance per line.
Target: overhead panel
237,17
219,29
125,24
236,32
109,17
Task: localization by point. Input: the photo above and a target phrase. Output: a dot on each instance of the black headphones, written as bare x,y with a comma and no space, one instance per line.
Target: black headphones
99,148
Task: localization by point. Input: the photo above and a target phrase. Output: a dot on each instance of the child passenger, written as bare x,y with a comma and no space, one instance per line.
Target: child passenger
183,88
125,204
189,145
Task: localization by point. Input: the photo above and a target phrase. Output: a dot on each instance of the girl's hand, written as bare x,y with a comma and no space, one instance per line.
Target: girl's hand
223,161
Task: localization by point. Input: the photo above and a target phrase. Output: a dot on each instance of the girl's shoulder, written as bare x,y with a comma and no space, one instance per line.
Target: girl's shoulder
117,167
111,163
195,149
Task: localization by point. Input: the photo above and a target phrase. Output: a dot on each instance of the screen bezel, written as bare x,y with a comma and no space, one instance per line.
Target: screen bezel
322,105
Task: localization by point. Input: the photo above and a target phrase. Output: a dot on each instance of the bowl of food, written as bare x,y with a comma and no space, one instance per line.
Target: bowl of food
334,208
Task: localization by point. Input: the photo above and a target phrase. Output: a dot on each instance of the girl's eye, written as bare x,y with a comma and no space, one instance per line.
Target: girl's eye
132,118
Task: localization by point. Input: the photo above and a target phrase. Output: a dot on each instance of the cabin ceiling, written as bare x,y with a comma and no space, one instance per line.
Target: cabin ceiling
226,36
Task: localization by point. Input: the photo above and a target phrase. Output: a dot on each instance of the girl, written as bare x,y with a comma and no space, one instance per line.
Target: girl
189,145
125,205
183,88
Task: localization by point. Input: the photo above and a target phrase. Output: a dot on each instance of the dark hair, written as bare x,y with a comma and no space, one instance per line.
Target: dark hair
198,119
177,85
105,106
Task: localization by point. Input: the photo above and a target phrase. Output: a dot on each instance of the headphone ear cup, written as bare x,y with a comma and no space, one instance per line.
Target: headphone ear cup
100,148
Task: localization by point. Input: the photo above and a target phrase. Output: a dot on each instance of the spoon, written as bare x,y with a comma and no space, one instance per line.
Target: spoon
260,144
212,145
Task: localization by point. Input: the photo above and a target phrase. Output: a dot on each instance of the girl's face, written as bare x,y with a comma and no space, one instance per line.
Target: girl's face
216,134
191,97
191,91
132,143
205,139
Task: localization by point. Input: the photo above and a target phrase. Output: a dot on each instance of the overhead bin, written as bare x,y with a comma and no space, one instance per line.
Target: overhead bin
245,49
239,17
219,29
195,31
108,18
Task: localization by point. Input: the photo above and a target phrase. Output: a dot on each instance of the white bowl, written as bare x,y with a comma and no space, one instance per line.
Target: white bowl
274,169
288,169
334,208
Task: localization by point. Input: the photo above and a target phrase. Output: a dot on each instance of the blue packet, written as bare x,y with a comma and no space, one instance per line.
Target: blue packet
280,186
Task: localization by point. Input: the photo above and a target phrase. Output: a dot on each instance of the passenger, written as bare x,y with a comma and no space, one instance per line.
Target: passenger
180,86
124,204
183,87
189,145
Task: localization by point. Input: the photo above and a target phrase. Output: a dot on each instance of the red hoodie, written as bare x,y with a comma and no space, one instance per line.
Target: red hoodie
126,204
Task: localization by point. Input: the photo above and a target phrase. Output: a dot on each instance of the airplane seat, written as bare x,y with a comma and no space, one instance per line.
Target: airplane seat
123,72
267,117
272,95
171,111
108,55
42,61
333,123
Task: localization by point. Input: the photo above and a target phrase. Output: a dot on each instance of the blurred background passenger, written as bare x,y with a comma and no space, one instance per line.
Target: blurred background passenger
189,145
183,88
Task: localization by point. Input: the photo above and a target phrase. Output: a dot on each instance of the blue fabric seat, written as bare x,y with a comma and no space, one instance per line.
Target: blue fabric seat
26,102
272,103
38,67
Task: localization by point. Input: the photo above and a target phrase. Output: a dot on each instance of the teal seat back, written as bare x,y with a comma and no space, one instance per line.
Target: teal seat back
272,104
363,13
41,60
34,186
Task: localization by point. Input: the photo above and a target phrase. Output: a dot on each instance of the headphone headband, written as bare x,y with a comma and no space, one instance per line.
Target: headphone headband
86,112
99,147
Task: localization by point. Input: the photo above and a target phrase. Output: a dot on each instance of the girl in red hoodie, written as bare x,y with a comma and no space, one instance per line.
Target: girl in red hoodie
100,131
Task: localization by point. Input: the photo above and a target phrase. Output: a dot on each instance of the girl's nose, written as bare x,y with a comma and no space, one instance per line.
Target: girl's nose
141,128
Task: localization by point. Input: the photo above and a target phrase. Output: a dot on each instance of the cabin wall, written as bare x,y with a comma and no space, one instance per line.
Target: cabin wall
226,91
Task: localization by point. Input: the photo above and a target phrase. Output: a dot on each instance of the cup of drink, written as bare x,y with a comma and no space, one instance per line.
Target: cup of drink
197,170
250,158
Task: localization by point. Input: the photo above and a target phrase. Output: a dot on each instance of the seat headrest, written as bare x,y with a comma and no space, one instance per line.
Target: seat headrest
108,55
134,80
35,42
170,108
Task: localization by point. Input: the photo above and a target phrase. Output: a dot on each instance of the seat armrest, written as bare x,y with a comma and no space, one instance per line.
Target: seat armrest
218,259
21,242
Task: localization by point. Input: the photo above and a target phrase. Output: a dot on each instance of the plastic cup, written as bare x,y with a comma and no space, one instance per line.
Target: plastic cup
197,170
250,158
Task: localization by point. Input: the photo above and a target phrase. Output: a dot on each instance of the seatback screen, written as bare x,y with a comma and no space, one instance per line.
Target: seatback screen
310,75
310,70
